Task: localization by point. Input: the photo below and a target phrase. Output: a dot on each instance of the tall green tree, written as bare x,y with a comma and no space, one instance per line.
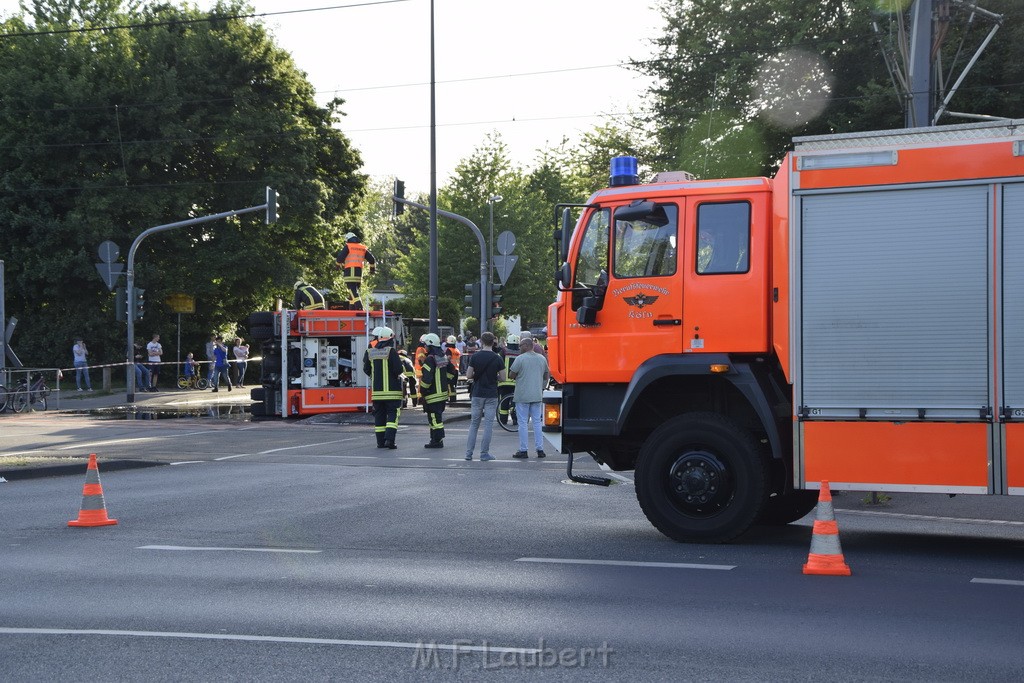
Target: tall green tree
177,114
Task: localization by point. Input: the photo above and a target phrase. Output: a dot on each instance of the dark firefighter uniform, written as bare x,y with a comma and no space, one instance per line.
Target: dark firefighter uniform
409,372
308,297
353,257
438,375
384,368
507,386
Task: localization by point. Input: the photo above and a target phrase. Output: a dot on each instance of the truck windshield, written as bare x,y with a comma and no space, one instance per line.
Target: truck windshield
647,247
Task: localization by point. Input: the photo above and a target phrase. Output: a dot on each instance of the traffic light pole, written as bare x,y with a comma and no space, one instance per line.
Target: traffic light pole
270,207
485,289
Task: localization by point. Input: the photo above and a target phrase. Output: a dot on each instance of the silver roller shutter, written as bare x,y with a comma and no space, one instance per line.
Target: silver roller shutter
895,313
1013,299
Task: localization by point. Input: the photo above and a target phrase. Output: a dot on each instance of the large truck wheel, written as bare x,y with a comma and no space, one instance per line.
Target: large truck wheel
784,509
701,478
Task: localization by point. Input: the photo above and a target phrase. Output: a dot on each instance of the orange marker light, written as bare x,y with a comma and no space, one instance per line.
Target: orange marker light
719,367
552,414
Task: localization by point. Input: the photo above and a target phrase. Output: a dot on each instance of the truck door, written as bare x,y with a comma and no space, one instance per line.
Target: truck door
631,271
1012,308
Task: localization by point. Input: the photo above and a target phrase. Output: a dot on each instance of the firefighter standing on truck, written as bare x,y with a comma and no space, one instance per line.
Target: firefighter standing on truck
382,364
438,375
351,259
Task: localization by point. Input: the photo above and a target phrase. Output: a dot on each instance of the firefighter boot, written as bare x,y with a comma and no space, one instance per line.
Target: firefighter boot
434,443
381,442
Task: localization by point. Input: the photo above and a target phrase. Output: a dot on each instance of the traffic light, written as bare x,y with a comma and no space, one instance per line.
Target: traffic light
271,206
472,299
120,304
497,294
138,303
398,206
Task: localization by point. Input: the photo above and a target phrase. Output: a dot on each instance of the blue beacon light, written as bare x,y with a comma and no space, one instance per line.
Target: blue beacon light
623,172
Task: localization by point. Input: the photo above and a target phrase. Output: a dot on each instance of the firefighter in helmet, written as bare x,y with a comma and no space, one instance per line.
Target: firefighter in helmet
409,372
382,364
455,358
351,260
438,375
308,297
508,386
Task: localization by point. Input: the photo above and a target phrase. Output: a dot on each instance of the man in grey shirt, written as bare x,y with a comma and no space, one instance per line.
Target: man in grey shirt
530,371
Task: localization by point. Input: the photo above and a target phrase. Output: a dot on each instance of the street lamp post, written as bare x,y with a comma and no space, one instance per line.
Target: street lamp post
494,198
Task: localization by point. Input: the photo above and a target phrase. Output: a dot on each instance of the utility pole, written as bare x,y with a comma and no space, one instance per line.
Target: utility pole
919,68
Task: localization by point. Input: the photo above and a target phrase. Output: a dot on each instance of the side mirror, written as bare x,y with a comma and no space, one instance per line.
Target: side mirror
567,225
586,314
564,276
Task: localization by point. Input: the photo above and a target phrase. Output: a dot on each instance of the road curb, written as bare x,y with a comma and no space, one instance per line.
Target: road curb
77,468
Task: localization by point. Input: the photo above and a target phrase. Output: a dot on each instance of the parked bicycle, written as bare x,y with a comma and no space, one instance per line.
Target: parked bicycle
30,394
193,382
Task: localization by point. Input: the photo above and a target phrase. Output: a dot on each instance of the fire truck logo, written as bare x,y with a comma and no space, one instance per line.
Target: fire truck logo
640,300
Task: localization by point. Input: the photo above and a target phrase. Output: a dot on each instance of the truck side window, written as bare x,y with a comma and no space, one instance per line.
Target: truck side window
647,247
723,238
592,258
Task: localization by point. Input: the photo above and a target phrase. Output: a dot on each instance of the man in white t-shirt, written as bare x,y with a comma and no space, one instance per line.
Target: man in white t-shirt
155,351
241,350
81,353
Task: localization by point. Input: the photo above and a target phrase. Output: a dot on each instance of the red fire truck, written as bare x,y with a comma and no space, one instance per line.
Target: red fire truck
858,318
312,360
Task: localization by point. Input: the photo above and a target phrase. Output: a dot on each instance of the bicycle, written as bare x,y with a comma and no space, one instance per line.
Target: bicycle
31,394
193,382
506,413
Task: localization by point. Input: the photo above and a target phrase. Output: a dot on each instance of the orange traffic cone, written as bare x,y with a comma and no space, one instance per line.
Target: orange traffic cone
94,510
826,556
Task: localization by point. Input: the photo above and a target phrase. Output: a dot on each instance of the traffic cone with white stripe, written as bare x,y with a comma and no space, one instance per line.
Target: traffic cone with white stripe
826,556
94,509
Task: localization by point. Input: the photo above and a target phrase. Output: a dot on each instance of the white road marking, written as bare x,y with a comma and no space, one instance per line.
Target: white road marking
414,458
88,445
622,563
286,448
615,475
186,462
931,518
999,582
425,646
247,550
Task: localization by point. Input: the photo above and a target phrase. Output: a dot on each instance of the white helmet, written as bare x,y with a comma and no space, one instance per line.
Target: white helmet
451,339
431,339
375,332
349,235
512,339
298,283
385,333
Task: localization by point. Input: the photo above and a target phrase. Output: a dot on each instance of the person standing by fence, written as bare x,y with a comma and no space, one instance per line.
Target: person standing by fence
220,364
81,353
241,351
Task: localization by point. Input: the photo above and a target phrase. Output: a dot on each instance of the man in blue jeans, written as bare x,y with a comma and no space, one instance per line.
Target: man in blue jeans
484,371
530,371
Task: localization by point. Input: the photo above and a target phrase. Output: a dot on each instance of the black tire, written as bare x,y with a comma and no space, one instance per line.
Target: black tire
257,394
261,332
700,478
261,318
20,400
785,509
506,414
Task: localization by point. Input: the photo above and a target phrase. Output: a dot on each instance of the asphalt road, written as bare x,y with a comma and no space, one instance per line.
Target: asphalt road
279,551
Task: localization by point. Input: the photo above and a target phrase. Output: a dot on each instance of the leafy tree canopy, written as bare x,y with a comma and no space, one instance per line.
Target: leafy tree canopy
107,133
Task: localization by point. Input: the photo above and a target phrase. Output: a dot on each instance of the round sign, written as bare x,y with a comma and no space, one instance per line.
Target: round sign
109,252
506,243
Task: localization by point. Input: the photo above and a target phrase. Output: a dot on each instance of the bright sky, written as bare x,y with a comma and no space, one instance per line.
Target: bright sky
534,71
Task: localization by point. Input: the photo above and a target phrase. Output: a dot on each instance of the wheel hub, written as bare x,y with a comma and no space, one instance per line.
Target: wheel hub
699,482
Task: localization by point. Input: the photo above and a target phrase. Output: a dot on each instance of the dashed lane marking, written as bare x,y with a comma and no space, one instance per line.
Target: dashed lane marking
999,582
246,550
624,563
